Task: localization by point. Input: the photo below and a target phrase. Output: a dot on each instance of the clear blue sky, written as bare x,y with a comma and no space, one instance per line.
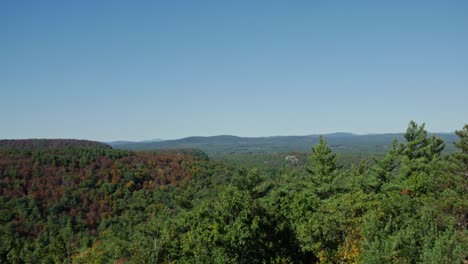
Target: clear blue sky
109,70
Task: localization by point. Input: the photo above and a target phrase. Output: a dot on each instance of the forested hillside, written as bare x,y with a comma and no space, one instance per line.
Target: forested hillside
217,146
34,144
93,204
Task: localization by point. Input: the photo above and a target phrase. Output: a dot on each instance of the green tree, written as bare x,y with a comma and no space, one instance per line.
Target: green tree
323,169
421,158
385,169
419,146
462,146
322,161
230,229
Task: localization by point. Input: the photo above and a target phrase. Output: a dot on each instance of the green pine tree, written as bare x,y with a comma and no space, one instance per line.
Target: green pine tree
419,145
322,163
323,170
462,146
421,156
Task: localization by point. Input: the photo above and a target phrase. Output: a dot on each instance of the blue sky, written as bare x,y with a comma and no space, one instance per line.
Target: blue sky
168,69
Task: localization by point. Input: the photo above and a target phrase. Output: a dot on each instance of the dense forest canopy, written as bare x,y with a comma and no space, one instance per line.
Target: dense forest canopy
71,203
34,144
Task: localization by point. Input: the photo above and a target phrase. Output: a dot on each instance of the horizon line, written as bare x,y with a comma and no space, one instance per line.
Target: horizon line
217,135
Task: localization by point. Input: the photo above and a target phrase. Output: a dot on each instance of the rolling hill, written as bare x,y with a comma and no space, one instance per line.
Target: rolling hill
35,144
226,144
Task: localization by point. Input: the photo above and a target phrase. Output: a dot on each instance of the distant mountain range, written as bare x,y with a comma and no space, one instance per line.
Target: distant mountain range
226,144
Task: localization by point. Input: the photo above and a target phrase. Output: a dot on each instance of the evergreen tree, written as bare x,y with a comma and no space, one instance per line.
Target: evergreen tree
323,169
419,145
384,171
420,159
322,161
462,146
